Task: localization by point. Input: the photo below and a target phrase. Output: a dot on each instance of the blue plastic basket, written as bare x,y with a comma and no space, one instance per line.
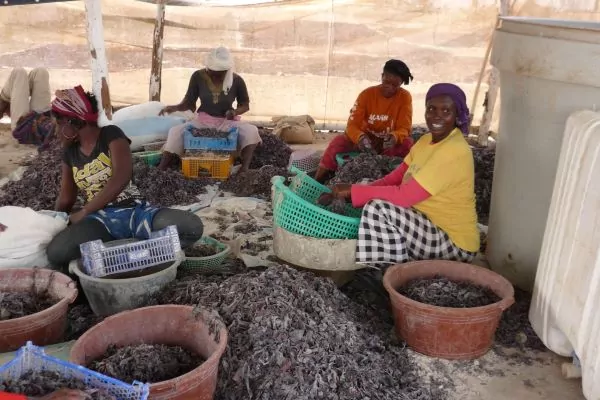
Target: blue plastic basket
191,142
33,358
100,260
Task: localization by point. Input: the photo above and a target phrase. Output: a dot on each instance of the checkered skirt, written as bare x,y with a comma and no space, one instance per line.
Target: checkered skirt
389,234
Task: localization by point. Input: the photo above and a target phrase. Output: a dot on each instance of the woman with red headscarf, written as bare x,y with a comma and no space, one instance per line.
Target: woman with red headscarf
97,162
425,209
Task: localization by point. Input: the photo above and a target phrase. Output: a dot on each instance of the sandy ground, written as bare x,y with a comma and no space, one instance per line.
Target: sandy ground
12,153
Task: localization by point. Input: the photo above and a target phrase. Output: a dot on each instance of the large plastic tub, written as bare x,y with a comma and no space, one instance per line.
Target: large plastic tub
548,69
173,325
564,308
445,332
45,327
110,296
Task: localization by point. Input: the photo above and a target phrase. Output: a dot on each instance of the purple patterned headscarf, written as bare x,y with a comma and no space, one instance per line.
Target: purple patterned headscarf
460,101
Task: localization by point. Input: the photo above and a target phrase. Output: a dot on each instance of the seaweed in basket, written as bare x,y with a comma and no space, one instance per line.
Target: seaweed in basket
202,250
41,383
209,133
443,292
365,167
146,362
19,304
338,206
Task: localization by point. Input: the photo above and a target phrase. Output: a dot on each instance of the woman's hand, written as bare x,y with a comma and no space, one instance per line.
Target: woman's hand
389,141
65,394
325,199
342,191
364,144
230,114
78,216
168,110
2,227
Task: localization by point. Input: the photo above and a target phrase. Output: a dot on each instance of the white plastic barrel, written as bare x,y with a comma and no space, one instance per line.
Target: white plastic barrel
564,309
548,69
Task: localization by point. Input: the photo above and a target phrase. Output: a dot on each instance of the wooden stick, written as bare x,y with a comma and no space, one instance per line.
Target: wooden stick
99,64
484,65
157,52
493,88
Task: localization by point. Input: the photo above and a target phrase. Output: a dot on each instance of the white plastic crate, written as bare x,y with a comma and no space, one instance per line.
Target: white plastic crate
100,260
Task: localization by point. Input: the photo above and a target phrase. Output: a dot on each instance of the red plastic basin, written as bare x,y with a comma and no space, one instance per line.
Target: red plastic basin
450,333
42,328
171,325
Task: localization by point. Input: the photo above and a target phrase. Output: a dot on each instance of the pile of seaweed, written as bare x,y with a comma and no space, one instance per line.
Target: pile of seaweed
296,336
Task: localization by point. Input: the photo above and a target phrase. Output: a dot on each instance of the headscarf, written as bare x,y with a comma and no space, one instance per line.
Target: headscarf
74,103
398,68
460,101
219,59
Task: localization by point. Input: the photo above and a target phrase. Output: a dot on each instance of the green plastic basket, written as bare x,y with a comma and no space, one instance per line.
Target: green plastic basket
151,158
310,190
295,210
210,264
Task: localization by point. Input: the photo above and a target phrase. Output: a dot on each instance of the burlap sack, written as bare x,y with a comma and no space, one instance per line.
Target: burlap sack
295,129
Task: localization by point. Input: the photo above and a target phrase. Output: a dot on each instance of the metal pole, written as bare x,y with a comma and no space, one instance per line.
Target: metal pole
95,33
157,51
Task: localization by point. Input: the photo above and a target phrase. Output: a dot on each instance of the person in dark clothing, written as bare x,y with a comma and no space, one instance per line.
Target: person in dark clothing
97,162
217,87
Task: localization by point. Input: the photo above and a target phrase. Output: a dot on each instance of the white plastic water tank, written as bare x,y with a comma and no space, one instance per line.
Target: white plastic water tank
548,69
564,310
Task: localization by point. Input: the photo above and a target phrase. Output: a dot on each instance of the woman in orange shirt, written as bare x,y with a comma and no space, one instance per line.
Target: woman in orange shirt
380,120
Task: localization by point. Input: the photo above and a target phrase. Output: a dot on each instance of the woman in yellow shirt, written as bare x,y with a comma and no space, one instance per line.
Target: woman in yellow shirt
425,209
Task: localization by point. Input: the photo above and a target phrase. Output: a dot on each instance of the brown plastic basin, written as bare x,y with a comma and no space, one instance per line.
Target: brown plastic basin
450,333
42,328
172,325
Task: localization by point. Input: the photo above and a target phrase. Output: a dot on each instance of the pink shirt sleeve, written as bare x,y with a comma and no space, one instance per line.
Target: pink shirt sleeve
393,178
404,195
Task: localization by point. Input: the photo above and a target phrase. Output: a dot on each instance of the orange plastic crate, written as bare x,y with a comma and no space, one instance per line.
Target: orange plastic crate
218,166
